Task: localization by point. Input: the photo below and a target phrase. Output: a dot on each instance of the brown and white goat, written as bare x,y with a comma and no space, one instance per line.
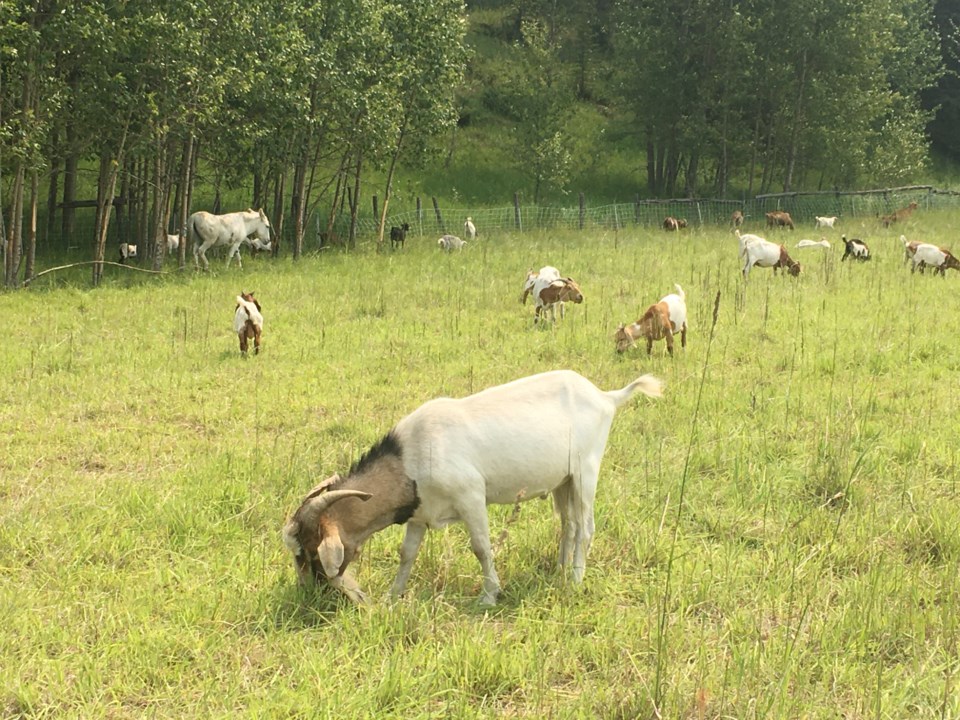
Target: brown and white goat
898,216
939,258
673,224
762,253
909,248
737,218
661,321
547,297
127,251
447,460
779,218
248,322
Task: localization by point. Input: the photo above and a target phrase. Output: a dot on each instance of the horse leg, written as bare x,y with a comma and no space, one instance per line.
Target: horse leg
235,250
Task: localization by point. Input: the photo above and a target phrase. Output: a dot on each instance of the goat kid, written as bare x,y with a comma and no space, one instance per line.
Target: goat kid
449,243
127,251
469,229
898,216
855,248
548,295
940,259
767,254
173,244
449,459
398,235
909,248
547,275
822,243
674,224
248,322
661,320
737,218
779,218
822,222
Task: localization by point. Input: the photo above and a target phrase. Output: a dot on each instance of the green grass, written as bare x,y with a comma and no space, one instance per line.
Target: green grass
810,571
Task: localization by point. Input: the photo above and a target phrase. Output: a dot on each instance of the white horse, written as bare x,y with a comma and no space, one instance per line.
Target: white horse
207,230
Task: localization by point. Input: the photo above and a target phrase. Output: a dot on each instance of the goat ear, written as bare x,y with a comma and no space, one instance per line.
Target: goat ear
330,554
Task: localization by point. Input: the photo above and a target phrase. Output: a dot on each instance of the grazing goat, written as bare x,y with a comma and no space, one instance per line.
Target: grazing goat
547,295
127,251
855,248
939,258
449,243
674,224
821,243
909,248
898,216
547,275
248,322
257,245
822,222
661,320
737,218
745,239
779,218
469,229
449,459
173,244
398,235
767,254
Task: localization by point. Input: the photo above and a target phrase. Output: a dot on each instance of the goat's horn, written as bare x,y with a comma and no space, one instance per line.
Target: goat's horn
317,505
323,486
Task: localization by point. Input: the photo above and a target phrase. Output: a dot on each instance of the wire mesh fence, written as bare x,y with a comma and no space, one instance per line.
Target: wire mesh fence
428,219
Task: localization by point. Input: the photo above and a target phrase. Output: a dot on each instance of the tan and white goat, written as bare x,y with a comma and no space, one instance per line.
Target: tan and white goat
248,322
449,459
661,321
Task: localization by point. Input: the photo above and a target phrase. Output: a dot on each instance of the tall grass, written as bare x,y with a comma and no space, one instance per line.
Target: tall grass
805,524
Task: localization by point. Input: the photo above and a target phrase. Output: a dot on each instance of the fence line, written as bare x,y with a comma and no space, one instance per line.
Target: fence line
425,220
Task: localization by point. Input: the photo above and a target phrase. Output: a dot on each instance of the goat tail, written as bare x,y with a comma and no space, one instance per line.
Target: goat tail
680,292
647,384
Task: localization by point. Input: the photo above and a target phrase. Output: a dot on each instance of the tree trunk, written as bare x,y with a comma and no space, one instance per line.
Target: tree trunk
52,192
186,178
795,131
278,213
31,253
106,184
355,201
14,228
651,164
68,221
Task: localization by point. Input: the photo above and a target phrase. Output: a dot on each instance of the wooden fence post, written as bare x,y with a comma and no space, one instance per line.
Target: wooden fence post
516,211
436,209
420,214
583,211
636,209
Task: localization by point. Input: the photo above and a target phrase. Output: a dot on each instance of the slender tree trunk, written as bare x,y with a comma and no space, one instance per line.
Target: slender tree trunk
355,201
278,213
389,184
14,228
186,178
68,219
796,130
106,184
753,153
31,252
651,164
693,167
52,192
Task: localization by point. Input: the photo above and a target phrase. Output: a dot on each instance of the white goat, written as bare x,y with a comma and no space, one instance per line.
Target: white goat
449,459
821,222
469,229
449,243
822,242
258,245
767,254
173,243
940,259
745,239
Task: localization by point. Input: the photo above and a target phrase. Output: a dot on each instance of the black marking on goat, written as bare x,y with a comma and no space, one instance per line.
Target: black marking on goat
388,445
405,512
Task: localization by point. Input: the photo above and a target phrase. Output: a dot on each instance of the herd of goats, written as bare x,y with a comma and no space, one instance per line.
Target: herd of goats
451,458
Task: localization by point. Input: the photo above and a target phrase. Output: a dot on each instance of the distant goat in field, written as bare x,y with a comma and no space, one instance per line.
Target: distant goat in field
173,243
469,229
398,235
661,320
737,218
822,222
821,243
855,248
547,275
898,216
248,322
779,218
939,258
674,224
909,248
767,254
127,251
547,295
448,243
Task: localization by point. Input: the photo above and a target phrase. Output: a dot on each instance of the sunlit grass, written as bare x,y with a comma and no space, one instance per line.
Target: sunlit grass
146,469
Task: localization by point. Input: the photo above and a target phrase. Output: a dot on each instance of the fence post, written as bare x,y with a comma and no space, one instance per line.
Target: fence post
582,211
516,211
636,209
436,210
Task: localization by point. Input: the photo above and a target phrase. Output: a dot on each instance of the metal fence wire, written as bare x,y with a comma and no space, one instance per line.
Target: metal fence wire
431,219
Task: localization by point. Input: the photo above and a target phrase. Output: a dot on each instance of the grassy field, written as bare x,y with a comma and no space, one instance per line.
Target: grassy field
776,538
